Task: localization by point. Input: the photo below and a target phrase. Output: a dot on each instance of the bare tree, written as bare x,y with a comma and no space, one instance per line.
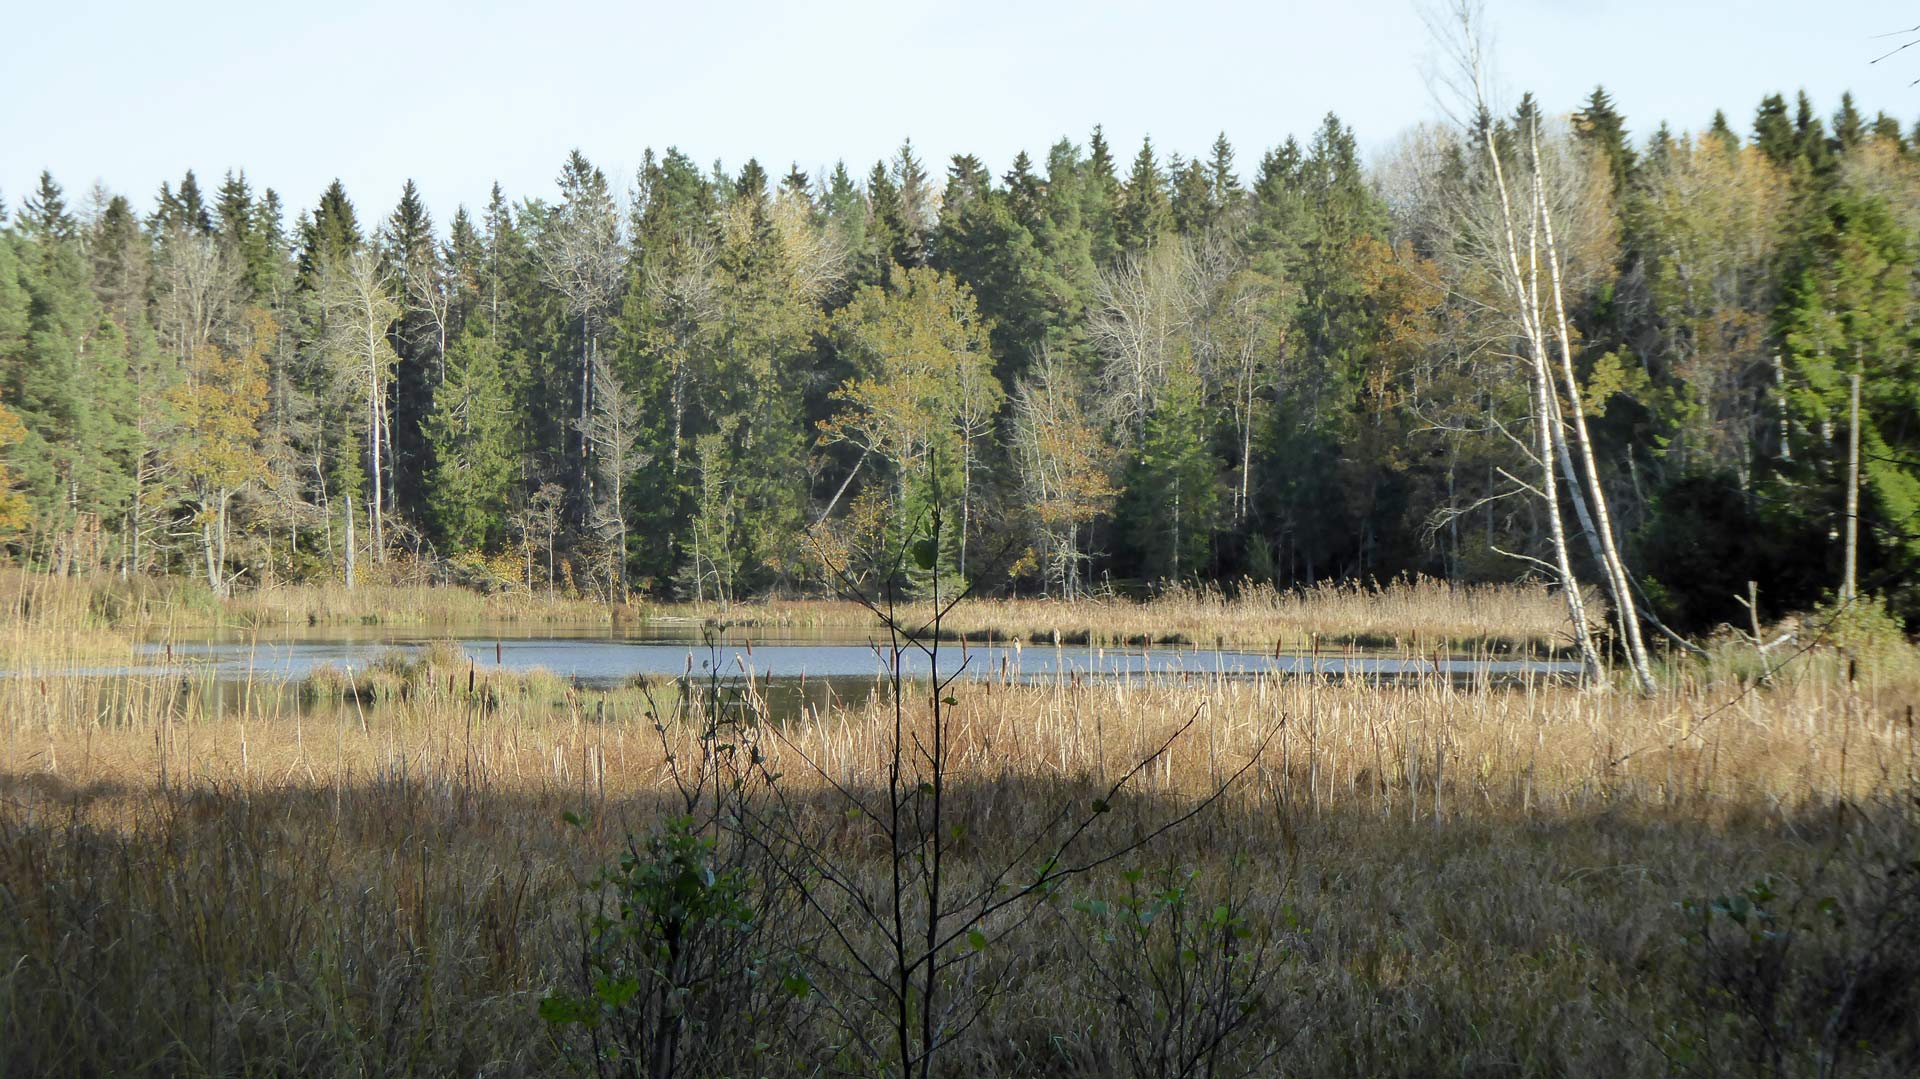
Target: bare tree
1061,458
1238,340
360,308
1600,528
1526,259
197,291
1140,308
611,433
539,521
581,257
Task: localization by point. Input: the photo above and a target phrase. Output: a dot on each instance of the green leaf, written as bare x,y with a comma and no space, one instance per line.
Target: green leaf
976,940
562,1010
616,991
925,553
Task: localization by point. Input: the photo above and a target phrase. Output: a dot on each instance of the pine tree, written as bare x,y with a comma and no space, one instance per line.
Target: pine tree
330,235
1849,127
1144,215
474,440
1773,131
411,259
1720,132
1600,126
1223,184
1100,201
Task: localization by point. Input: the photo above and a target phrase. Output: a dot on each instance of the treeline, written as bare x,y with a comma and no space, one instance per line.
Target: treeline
715,384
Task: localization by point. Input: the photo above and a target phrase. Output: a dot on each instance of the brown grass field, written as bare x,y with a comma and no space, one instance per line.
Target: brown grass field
104,616
1457,880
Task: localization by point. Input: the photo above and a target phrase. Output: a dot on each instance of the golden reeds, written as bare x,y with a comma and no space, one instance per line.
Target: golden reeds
205,879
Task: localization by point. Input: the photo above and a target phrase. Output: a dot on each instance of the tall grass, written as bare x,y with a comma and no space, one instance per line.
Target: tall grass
1418,614
198,880
48,617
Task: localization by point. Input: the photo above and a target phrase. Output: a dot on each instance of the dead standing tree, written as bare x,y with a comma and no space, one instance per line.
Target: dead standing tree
360,308
1535,294
581,258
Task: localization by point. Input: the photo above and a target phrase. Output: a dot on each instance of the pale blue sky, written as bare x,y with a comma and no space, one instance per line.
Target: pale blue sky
456,95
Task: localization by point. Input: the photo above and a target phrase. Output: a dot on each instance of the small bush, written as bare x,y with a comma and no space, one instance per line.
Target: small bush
1868,634
673,973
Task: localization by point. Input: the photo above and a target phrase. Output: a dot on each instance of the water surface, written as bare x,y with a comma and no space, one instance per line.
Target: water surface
596,657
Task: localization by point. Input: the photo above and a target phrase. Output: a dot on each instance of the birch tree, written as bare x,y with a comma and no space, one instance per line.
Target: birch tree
1061,458
581,258
611,434
219,408
360,308
1530,272
1141,306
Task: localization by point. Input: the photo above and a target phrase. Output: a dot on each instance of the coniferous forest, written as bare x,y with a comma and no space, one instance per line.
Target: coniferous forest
1108,367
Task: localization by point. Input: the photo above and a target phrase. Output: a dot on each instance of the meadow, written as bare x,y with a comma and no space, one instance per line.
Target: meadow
1195,877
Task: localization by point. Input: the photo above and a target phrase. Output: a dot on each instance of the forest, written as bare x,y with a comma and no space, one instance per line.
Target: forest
1100,372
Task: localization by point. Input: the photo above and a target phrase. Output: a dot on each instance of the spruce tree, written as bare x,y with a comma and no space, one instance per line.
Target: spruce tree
474,444
1100,201
411,260
1144,214
1192,203
846,211
1849,127
1600,126
1773,131
1222,182
884,226
1721,132
329,235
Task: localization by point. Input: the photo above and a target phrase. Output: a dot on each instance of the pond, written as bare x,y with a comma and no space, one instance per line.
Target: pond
594,657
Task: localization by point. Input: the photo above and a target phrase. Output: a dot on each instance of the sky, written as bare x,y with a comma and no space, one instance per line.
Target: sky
458,95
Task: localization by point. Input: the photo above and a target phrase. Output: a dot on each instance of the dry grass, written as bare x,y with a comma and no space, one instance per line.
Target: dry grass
1418,615
102,618
52,619
1476,880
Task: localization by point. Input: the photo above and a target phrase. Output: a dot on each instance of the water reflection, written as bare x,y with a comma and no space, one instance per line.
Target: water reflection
605,661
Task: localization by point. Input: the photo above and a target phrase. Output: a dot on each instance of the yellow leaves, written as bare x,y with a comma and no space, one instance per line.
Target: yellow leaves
13,506
220,406
926,371
1718,216
1610,376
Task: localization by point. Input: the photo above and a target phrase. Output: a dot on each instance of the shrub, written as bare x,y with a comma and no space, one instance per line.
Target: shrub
673,976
